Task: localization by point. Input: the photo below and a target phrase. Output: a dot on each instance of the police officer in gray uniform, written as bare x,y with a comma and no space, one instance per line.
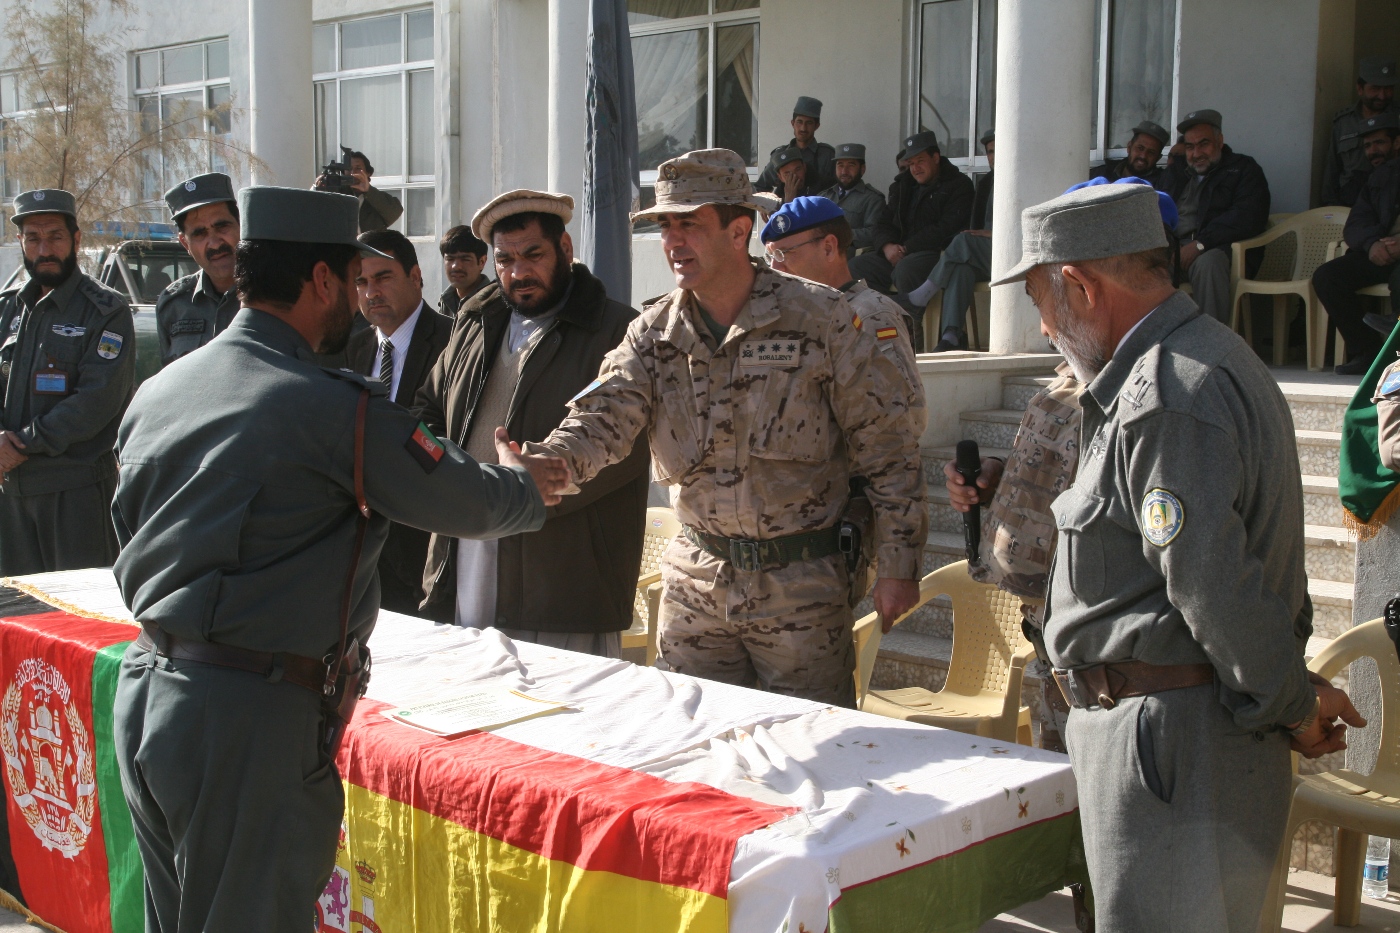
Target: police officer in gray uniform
67,363
1177,607
194,309
861,203
251,524
1375,92
820,157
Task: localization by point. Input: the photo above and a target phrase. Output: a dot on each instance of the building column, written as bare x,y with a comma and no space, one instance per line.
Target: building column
1045,57
279,81
568,126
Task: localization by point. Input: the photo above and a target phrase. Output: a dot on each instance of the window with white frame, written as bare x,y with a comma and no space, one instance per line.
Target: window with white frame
11,108
374,93
696,73
182,91
955,79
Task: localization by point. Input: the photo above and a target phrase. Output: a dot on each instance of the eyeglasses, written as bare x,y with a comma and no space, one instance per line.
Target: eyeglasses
780,255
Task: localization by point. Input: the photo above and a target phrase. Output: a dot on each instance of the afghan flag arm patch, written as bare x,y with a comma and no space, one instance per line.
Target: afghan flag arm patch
424,447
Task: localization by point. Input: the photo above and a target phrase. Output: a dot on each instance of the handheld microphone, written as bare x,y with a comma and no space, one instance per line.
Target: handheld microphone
969,466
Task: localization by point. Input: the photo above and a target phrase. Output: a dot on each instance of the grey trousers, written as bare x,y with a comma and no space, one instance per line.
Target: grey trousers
966,261
69,530
1210,284
1183,813
602,644
236,811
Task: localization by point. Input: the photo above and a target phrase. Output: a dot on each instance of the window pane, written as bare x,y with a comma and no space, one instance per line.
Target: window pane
986,68
672,102
217,53
419,212
148,110
147,69
183,64
371,120
218,109
420,36
1094,141
649,11
945,68
729,6
420,123
9,94
327,123
398,193
1140,66
323,49
366,43
736,90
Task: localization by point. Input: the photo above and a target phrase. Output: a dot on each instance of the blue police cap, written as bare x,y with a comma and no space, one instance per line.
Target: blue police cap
1165,204
800,214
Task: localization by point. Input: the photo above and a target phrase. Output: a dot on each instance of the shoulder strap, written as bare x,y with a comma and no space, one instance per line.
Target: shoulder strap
361,523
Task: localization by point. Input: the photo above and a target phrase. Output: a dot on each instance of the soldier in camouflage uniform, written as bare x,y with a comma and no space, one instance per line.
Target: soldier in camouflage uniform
761,395
196,308
1346,154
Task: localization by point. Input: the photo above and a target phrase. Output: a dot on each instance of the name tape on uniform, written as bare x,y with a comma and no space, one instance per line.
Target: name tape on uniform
770,353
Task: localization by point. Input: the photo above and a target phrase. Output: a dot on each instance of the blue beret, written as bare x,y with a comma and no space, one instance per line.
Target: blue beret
800,214
1164,201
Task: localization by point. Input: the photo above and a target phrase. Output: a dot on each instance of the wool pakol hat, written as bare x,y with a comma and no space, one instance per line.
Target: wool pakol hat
199,191
1094,222
299,215
520,201
44,201
705,176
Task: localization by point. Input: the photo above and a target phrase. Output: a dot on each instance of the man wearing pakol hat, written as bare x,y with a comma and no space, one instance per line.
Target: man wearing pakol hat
1144,152
792,174
194,309
861,203
820,157
760,395
1221,198
1177,608
521,349
67,365
251,522
930,202
1375,95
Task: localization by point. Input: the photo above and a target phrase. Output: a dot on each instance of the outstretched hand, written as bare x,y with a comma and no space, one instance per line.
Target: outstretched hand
551,474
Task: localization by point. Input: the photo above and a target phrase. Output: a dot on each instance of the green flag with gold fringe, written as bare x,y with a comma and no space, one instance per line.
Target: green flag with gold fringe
1367,487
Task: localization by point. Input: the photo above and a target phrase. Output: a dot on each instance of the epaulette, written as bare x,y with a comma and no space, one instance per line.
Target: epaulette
651,301
822,145
376,388
107,300
183,283
1349,109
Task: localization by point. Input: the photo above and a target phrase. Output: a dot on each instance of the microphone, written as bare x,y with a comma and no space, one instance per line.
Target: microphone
969,466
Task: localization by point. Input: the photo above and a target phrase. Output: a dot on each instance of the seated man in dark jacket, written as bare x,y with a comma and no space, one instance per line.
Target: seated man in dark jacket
1144,152
521,349
930,202
1221,198
1378,145
1372,257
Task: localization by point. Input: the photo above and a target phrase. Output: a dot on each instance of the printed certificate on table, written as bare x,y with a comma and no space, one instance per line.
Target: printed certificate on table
475,711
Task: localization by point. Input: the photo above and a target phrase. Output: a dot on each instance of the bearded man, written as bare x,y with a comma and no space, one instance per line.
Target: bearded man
521,349
67,364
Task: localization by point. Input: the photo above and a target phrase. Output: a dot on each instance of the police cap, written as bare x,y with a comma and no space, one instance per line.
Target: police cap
988,136
44,201
1390,120
199,191
1378,71
800,214
1159,133
296,215
786,155
807,107
850,151
1197,117
926,141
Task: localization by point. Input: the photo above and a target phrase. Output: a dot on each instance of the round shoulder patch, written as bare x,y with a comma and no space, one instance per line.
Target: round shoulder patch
1162,517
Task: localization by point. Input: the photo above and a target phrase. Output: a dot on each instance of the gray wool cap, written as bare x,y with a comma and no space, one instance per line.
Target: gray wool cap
44,201
854,151
807,107
199,191
298,215
1093,222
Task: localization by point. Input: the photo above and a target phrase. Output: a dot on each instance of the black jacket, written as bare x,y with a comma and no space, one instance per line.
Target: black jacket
1157,178
579,572
1234,203
982,202
925,218
406,549
1373,214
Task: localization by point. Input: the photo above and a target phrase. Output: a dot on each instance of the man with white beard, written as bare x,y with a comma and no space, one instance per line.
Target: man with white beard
1177,609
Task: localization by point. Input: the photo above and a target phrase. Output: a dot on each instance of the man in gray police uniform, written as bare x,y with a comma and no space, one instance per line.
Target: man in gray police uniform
194,309
820,157
67,363
1177,608
240,519
1375,93
861,203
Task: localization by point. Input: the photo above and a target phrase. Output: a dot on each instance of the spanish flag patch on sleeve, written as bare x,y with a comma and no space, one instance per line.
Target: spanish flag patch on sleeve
424,447
856,322
887,333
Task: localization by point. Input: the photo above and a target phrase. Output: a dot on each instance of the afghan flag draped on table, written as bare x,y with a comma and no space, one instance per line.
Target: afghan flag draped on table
1367,488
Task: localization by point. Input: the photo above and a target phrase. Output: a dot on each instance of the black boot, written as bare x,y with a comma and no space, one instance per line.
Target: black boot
953,339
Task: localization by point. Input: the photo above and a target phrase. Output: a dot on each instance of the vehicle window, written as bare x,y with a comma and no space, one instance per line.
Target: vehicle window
153,269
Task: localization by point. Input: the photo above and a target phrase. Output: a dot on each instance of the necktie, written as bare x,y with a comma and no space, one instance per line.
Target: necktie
386,363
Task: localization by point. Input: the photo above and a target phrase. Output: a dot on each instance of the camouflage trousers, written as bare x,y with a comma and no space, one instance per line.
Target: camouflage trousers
785,630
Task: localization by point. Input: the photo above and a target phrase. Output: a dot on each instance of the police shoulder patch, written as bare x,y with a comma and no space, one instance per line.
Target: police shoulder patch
109,347
1162,517
1390,383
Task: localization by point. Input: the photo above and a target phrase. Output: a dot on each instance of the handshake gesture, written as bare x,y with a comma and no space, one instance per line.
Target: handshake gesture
551,474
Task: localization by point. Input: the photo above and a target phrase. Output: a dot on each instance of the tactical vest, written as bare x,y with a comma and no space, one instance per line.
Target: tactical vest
1018,534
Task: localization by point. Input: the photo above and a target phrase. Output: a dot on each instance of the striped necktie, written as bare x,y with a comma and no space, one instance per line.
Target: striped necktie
386,363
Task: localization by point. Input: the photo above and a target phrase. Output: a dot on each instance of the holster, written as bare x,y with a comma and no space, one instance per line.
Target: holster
342,695
858,540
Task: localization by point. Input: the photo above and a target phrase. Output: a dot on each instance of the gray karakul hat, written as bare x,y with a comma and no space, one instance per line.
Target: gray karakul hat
1156,131
199,191
299,215
1197,117
807,107
850,151
44,201
1093,222
1377,71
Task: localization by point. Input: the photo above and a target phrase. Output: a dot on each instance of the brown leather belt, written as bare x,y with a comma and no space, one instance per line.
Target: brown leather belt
295,669
1103,685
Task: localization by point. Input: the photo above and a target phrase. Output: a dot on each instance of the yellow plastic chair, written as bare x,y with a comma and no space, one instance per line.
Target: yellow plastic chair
982,695
1358,805
662,526
1310,233
977,312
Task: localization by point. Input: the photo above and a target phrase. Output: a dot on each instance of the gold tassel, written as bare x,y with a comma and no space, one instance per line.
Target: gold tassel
1365,531
30,590
7,901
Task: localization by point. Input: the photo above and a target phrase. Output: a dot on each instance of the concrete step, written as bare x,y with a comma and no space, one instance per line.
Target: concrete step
1016,391
1330,554
941,516
994,427
1319,452
1317,406
1320,503
1331,607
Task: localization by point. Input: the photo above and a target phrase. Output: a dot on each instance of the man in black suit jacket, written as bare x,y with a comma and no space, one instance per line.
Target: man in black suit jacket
400,348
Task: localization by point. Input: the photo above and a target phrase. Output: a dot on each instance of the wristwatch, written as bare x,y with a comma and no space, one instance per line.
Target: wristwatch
1308,720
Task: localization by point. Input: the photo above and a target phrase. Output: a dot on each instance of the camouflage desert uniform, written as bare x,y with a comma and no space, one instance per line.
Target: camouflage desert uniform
761,436
881,315
1019,533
